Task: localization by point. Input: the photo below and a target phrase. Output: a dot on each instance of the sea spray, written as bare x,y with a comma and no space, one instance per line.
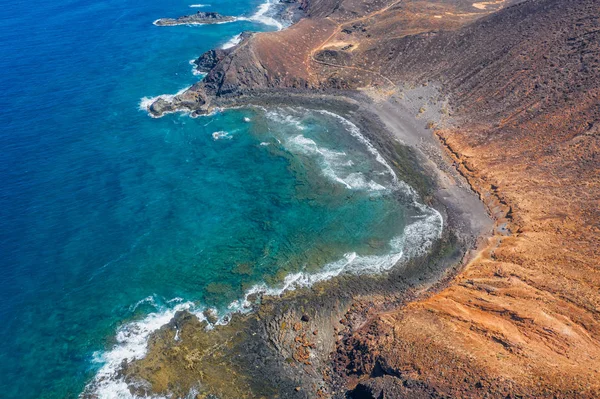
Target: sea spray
146,102
263,16
234,41
195,72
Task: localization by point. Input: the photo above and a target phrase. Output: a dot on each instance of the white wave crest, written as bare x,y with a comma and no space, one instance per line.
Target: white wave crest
234,41
431,215
284,118
221,135
132,344
332,163
416,239
335,165
262,15
148,300
199,5
355,131
146,102
195,70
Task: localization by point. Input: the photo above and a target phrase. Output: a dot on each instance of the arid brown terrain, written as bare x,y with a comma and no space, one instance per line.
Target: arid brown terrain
522,319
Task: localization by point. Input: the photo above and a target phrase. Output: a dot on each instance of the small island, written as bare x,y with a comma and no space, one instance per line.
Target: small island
199,18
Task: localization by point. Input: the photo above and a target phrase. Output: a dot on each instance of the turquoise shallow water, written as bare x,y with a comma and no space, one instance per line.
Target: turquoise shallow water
110,219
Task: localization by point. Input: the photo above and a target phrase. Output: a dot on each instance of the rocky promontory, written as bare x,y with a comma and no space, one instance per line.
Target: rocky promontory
199,18
210,59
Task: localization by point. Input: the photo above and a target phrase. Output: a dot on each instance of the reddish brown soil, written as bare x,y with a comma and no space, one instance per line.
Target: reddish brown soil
523,318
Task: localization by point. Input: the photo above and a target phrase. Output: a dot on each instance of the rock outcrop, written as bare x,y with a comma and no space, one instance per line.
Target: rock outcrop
207,61
199,18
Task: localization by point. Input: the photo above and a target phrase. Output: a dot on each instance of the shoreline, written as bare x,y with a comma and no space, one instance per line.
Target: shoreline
385,124
401,141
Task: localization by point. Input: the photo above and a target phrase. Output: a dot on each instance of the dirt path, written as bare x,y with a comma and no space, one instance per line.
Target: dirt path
338,29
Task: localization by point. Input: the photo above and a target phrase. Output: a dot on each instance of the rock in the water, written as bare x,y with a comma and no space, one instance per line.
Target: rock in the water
211,316
160,107
200,18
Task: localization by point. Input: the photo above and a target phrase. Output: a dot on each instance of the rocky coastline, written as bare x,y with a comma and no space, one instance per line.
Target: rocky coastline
480,315
199,18
292,345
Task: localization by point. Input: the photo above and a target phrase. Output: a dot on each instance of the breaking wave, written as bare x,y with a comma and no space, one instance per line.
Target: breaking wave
195,70
146,102
234,41
263,15
336,165
132,344
416,239
221,135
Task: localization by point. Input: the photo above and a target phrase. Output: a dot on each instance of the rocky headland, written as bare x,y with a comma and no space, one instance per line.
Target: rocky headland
487,109
199,18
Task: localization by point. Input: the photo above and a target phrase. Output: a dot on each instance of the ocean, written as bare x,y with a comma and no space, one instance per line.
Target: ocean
112,220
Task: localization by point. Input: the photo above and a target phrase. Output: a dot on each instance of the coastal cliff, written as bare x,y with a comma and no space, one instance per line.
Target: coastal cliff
521,126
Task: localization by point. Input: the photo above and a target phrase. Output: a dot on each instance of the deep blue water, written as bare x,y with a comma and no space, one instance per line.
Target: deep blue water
108,215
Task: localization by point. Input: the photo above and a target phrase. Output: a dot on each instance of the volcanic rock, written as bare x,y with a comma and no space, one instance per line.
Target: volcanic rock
199,18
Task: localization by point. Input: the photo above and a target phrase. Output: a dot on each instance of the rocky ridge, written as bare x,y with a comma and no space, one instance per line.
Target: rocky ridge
199,18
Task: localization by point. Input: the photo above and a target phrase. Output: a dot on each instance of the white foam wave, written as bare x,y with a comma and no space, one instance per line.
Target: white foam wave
332,161
335,165
284,118
234,41
132,344
262,15
416,239
355,131
195,70
146,102
221,135
155,23
148,300
199,5
432,215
